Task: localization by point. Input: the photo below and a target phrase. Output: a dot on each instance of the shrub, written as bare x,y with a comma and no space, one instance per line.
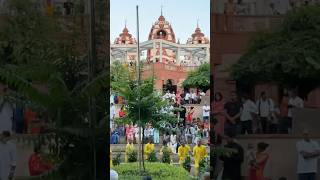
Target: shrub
132,156
116,160
166,155
158,171
187,163
203,165
153,157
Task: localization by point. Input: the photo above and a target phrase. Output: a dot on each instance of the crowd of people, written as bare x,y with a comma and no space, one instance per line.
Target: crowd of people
256,157
191,128
188,127
184,97
17,118
244,116
183,150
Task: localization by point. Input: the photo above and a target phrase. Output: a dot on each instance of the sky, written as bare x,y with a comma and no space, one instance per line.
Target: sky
181,14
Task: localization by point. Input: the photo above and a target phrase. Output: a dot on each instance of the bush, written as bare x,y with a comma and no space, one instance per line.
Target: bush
166,155
203,166
153,157
158,171
187,163
116,160
133,156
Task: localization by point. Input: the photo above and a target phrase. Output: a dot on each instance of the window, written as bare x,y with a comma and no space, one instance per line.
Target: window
161,33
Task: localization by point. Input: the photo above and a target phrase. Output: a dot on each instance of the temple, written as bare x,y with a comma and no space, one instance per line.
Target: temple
163,53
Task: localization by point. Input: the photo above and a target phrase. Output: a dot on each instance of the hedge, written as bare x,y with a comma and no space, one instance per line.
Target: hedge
158,171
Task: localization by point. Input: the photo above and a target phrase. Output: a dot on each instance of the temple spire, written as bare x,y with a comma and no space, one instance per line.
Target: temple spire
197,23
161,9
125,23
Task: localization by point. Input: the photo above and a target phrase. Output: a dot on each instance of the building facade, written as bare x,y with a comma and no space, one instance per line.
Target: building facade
162,54
233,24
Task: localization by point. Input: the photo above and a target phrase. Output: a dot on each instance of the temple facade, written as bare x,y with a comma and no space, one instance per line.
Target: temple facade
163,54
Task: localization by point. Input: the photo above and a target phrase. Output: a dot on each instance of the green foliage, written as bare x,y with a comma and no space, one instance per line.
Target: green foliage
32,52
187,163
133,156
116,160
199,78
153,157
26,37
157,171
287,56
166,156
139,96
203,166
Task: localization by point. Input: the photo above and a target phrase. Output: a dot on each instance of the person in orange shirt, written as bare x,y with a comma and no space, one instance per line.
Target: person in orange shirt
183,152
199,153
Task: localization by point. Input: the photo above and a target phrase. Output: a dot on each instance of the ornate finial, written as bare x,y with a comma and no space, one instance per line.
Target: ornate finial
197,23
125,23
161,9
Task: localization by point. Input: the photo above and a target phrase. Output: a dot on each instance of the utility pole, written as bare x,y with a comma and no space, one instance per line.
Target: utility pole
91,75
138,74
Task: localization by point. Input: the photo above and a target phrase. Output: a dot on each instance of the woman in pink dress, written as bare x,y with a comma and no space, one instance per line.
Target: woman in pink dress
130,133
259,163
218,112
178,97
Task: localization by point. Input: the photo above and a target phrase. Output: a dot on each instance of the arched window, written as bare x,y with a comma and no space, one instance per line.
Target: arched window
161,33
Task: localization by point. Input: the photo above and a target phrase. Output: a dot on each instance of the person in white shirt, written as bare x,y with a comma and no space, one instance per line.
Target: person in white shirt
146,133
265,108
206,112
111,98
112,114
294,102
173,97
113,175
167,95
136,133
8,156
151,132
187,97
173,142
202,94
188,133
193,97
6,111
274,128
248,111
308,155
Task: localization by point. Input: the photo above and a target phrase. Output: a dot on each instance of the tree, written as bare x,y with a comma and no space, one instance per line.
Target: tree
199,78
287,56
143,104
